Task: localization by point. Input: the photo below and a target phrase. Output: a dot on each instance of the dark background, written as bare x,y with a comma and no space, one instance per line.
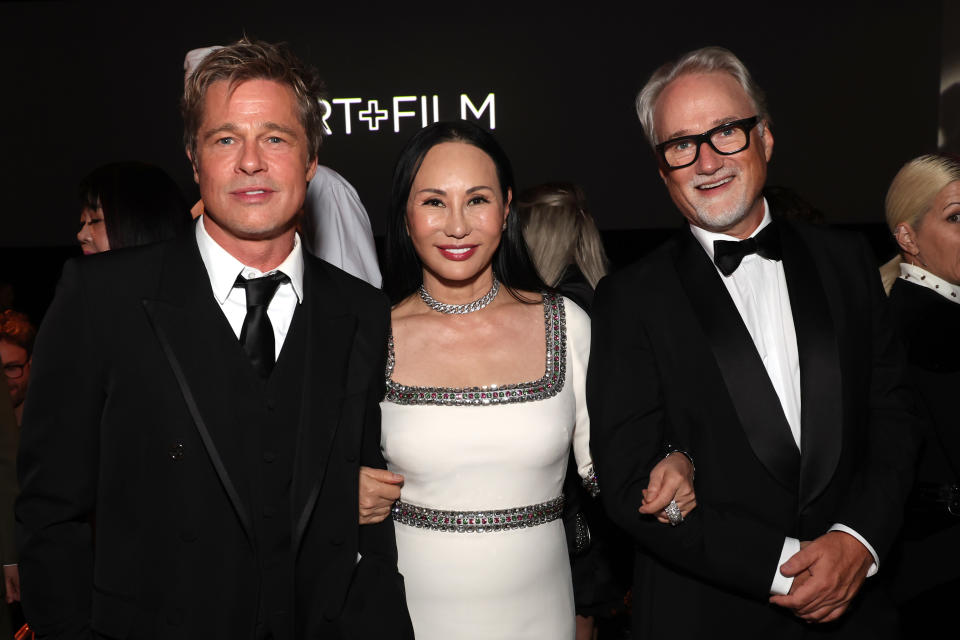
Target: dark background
853,88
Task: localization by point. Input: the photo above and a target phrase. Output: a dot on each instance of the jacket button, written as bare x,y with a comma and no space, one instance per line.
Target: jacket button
176,451
269,456
336,540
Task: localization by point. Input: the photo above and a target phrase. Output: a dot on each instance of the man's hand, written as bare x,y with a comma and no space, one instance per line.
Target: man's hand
837,564
671,479
379,489
11,581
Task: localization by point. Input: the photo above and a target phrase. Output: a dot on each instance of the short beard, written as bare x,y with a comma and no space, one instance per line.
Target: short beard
718,223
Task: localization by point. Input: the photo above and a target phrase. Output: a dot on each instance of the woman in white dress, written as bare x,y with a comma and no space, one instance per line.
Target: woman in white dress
484,396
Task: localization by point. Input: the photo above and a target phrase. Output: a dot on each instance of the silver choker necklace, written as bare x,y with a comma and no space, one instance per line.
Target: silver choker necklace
460,309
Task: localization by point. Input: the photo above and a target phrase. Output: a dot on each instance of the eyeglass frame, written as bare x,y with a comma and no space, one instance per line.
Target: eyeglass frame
746,124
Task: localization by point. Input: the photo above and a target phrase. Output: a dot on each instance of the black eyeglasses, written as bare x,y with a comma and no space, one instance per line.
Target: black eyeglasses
727,139
13,371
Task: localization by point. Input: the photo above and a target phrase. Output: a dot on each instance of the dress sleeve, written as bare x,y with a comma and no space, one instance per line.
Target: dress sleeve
578,355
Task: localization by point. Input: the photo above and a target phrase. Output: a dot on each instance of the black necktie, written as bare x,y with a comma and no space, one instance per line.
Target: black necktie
727,254
256,336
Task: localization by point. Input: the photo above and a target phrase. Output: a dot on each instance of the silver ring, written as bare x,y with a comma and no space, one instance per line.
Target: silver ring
673,513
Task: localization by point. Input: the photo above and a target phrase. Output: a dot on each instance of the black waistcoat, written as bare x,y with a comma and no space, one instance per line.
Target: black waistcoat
271,410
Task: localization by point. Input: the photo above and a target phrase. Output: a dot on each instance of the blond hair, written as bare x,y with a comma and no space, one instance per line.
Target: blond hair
254,60
910,196
559,232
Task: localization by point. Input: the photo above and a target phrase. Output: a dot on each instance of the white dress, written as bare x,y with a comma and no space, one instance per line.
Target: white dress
488,451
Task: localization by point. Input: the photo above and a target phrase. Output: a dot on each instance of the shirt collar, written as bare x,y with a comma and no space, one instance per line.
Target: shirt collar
919,275
706,238
223,268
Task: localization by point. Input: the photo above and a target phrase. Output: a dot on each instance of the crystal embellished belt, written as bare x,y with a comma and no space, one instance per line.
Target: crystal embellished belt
477,521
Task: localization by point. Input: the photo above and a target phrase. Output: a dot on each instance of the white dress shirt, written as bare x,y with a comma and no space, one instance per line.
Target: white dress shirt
759,291
223,269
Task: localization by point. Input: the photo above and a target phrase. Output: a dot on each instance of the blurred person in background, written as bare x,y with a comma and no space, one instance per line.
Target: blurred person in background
563,239
16,348
10,587
568,253
128,204
923,213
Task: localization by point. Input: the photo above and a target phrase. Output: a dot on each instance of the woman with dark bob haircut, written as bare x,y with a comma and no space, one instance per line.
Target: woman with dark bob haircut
127,204
484,399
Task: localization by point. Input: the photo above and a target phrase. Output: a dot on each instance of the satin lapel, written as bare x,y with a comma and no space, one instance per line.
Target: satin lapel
330,336
820,380
205,358
753,396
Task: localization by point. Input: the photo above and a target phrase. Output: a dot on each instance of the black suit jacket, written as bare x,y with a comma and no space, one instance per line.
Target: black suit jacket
132,417
671,360
926,321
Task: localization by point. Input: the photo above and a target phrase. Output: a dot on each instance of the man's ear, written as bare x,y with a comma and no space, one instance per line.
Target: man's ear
193,163
312,169
906,238
766,139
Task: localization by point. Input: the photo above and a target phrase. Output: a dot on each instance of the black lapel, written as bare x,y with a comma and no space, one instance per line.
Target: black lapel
206,361
820,380
752,393
329,343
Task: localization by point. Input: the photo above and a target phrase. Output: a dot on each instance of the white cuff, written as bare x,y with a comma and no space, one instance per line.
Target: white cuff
781,584
876,561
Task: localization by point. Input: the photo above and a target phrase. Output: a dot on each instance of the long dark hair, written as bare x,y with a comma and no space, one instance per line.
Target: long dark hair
403,274
141,203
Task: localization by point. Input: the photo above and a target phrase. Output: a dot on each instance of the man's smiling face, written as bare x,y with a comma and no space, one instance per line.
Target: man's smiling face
719,193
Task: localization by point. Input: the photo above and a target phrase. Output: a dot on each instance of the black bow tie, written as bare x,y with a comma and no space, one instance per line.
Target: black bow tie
727,254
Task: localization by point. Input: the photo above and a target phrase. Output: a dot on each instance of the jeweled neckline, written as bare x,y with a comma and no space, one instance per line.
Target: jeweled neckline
549,385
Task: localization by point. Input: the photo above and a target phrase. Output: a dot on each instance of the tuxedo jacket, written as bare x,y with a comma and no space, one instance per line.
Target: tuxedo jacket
132,424
672,362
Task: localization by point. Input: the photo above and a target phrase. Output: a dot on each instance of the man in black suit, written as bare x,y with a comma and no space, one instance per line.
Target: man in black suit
199,407
772,363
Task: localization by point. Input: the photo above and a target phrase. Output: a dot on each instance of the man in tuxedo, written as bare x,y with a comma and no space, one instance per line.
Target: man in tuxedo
199,408
760,346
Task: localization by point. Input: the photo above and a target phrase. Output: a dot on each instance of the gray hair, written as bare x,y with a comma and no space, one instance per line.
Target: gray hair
705,60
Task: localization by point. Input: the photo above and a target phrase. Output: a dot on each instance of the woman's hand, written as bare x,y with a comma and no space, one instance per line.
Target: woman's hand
671,479
379,489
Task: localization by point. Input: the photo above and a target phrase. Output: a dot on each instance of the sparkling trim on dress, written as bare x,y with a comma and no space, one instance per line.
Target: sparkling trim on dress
479,521
548,386
590,483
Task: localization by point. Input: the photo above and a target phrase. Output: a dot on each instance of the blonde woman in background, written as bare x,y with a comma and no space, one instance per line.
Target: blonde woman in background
567,251
928,244
563,240
923,213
